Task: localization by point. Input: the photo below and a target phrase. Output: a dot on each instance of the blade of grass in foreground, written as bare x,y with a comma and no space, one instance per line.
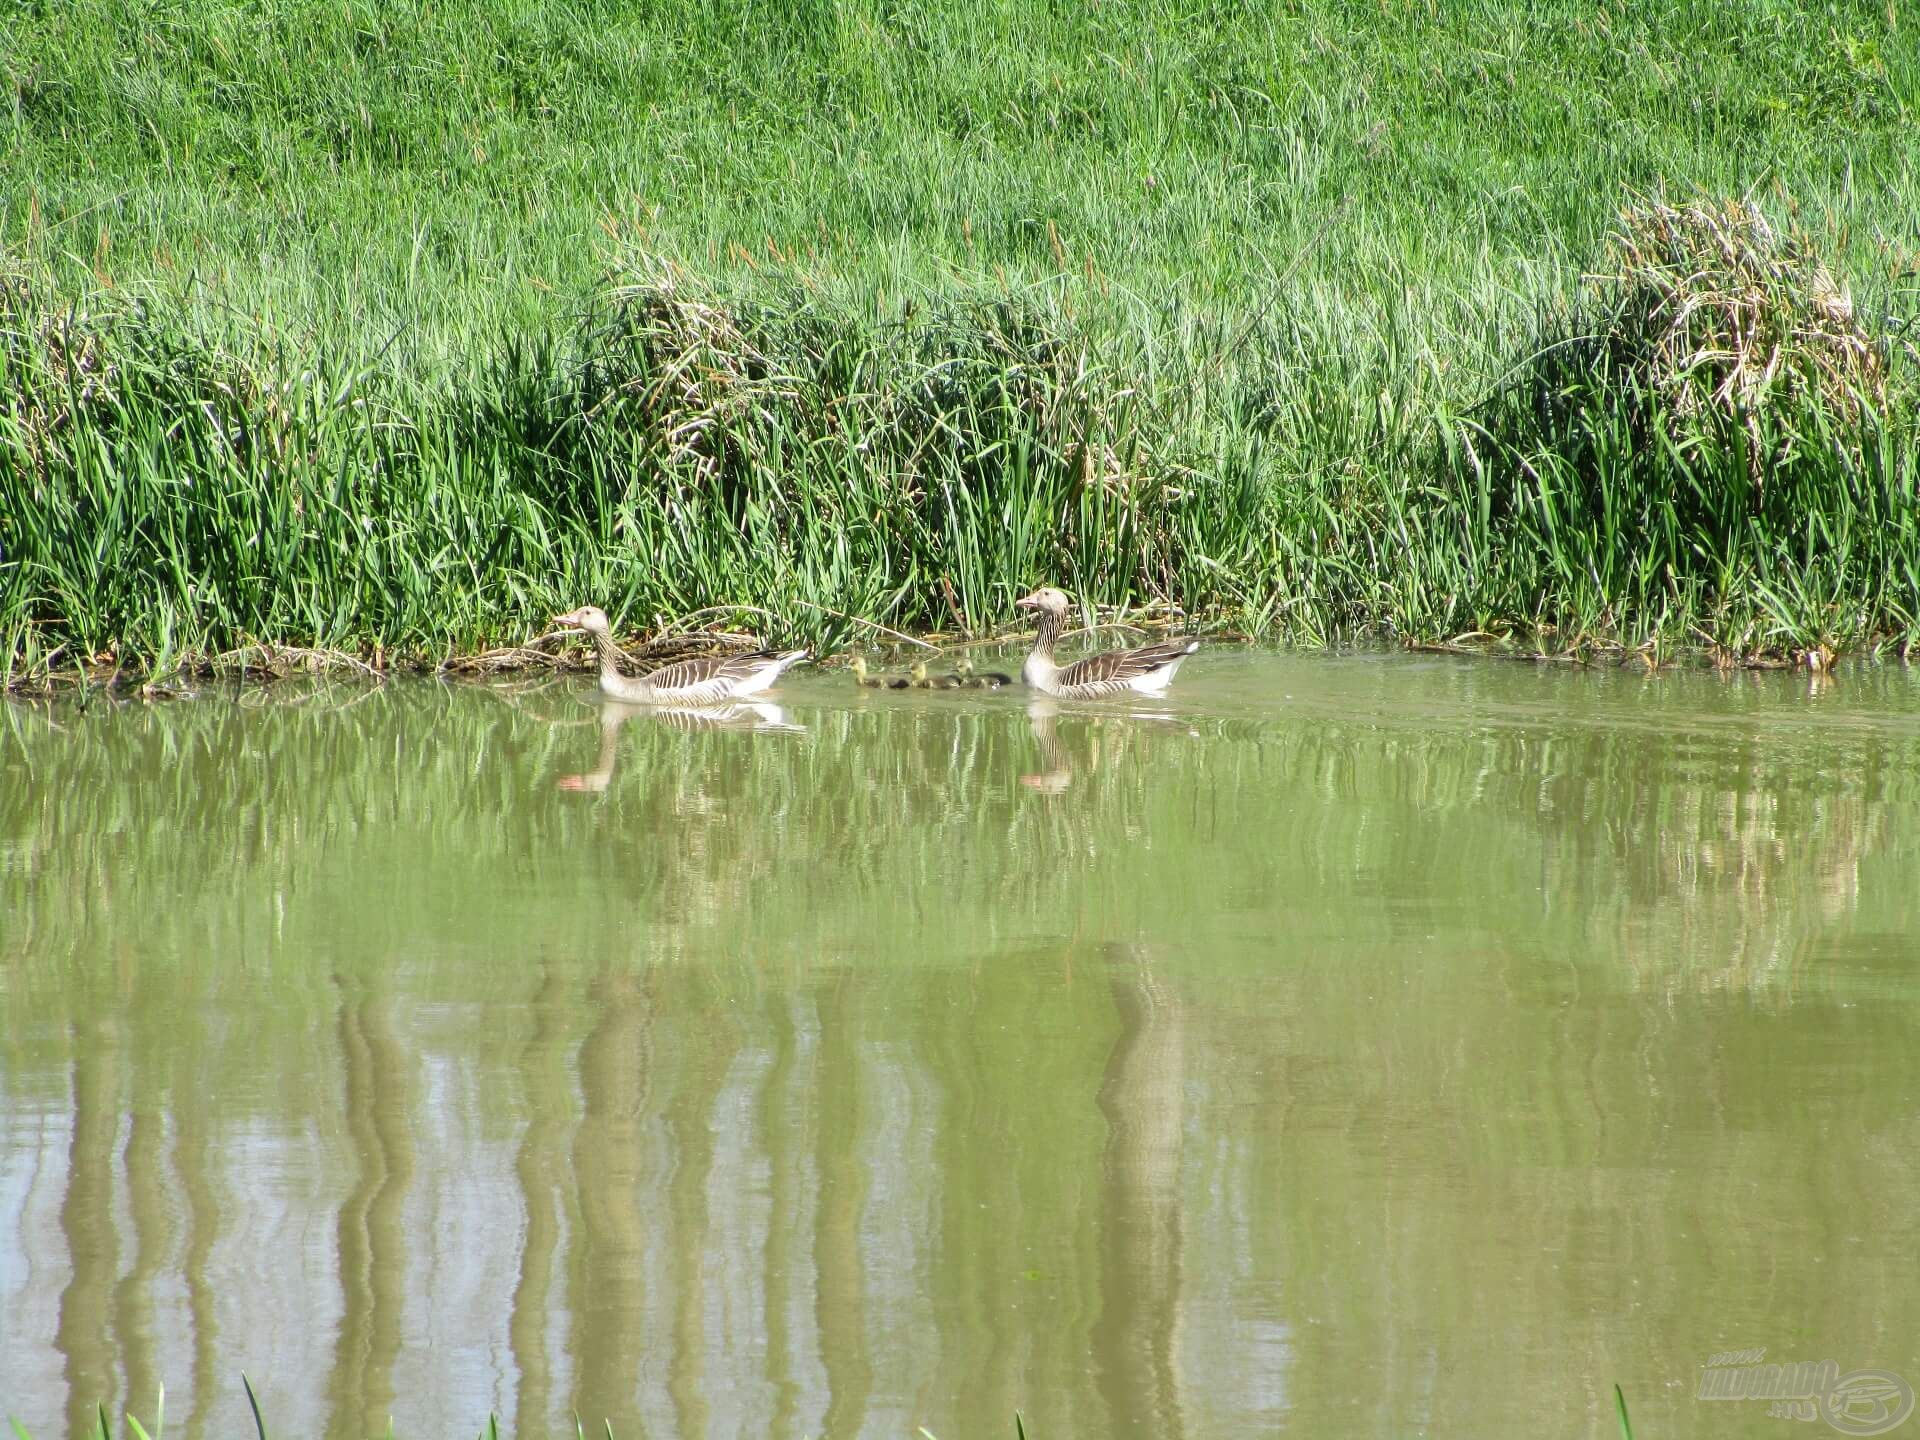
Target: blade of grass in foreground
259,1425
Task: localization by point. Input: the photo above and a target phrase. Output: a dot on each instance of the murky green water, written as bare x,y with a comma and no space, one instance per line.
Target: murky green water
1363,1046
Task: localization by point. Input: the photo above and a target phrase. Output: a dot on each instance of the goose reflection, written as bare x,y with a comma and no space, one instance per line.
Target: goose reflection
1057,772
757,715
1112,736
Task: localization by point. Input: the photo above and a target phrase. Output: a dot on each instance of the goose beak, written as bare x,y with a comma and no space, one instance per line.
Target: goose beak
1029,602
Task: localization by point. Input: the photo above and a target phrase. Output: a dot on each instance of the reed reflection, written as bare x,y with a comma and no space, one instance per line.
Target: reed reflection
1135,1338
696,1379
151,1215
372,1243
851,1084
788,1114
545,1183
87,1224
193,1161
840,1260
606,1295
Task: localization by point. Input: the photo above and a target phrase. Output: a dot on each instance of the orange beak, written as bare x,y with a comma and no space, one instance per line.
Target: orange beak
1029,602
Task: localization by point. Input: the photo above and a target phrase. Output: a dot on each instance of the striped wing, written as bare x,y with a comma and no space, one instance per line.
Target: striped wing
714,677
1118,670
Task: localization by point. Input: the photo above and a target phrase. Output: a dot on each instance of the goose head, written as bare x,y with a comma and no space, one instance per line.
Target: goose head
1046,599
590,618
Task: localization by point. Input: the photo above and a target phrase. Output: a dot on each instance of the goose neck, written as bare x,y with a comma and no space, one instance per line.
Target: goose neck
610,676
1048,634
1040,670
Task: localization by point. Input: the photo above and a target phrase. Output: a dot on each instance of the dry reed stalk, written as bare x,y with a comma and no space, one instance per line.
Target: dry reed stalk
1723,315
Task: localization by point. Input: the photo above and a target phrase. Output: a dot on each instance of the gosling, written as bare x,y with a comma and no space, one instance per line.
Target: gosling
981,679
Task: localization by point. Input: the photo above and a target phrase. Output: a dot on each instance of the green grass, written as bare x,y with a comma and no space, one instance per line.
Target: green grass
392,327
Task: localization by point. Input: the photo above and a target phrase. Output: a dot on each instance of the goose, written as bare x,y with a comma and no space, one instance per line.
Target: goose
981,679
1147,670
704,681
860,676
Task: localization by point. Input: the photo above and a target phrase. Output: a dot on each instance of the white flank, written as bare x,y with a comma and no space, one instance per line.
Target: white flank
762,676
1154,682
757,680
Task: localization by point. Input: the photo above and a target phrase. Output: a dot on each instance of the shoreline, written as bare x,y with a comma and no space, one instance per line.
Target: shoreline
263,665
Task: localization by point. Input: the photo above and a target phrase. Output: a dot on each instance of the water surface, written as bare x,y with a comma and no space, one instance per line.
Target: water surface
1363,1045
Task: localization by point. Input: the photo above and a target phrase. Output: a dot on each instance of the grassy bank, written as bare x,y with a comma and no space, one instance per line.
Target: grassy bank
392,329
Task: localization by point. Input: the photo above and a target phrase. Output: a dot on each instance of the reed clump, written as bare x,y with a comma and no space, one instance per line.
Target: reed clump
1708,322
720,383
1723,313
1712,446
1710,450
